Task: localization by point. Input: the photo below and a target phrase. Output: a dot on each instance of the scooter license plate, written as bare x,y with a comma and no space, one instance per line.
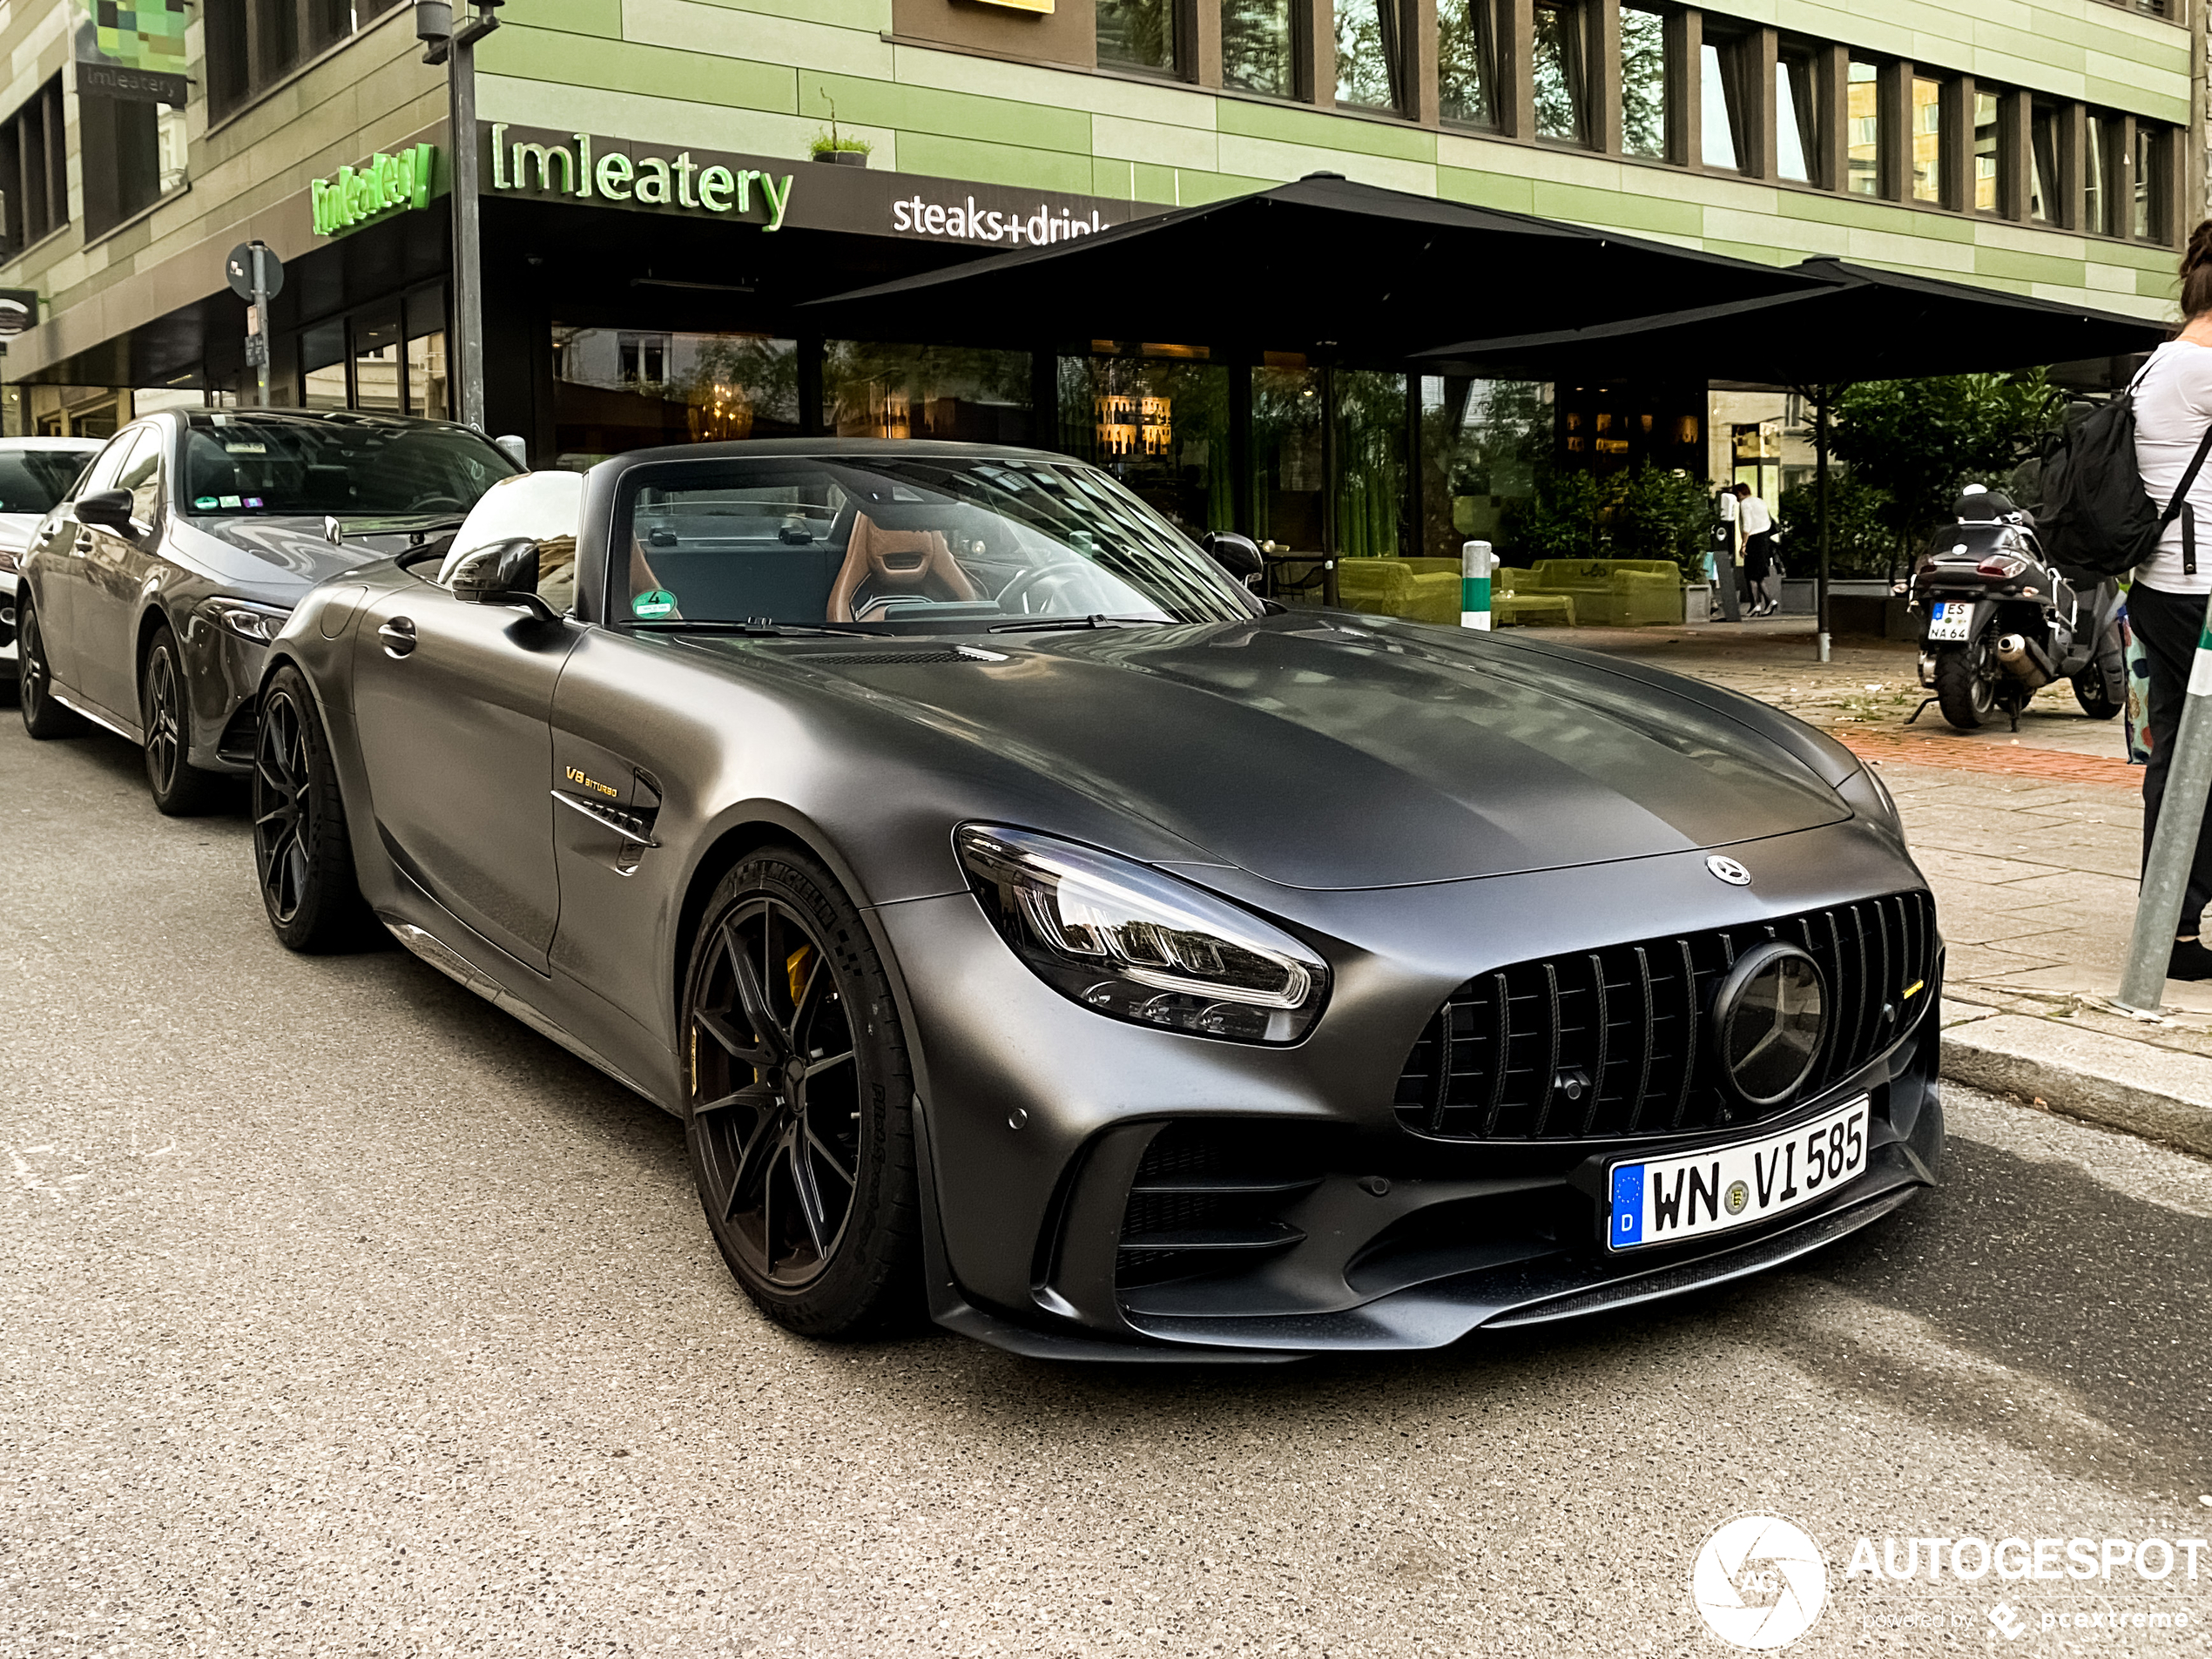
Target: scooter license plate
1949,619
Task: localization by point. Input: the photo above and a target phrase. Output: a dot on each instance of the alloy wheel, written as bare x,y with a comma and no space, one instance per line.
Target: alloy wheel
775,1092
30,665
165,743
283,809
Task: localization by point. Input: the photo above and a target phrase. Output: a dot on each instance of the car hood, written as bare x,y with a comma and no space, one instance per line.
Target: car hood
1351,754
16,529
283,552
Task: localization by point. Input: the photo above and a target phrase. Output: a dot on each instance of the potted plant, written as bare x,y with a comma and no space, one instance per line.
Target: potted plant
838,148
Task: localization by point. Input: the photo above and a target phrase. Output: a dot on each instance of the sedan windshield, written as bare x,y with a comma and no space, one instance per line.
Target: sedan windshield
276,466
31,481
903,543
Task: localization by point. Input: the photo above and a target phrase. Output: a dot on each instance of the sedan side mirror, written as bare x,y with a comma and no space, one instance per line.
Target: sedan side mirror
1239,554
503,573
109,510
511,445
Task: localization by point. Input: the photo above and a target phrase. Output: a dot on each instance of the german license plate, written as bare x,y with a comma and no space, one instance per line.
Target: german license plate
1658,1201
1948,618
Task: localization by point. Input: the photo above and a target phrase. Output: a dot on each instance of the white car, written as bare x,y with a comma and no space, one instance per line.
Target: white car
34,473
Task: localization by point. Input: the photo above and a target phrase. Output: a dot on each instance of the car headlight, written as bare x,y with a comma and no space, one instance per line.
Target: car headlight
10,562
1139,945
259,623
1869,797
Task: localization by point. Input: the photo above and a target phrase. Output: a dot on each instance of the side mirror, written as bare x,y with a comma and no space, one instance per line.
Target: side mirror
503,573
514,449
1239,554
109,510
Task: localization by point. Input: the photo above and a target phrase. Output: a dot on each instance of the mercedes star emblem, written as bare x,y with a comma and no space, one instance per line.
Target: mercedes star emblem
1729,871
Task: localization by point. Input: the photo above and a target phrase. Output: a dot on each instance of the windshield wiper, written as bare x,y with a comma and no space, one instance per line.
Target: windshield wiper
755,629
1039,623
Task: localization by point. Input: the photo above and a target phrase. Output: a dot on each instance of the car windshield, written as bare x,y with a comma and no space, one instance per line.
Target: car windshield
275,467
31,481
903,543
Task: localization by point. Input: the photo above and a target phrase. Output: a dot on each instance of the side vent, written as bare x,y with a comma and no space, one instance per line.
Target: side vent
1209,1197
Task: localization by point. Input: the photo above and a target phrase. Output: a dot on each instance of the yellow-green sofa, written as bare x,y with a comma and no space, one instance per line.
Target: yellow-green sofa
1610,593
1516,603
1418,589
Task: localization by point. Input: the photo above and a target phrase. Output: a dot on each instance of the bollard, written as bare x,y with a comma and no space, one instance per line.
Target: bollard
1477,561
2165,872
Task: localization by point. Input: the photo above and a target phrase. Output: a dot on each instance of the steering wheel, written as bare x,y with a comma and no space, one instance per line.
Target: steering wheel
1061,572
449,503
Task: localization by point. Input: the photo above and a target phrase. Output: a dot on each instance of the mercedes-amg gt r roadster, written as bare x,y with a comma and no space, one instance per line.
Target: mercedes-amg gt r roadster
1032,926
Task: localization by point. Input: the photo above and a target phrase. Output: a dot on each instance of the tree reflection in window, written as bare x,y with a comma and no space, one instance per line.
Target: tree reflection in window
1557,63
1368,55
1466,62
1644,82
1137,34
1258,53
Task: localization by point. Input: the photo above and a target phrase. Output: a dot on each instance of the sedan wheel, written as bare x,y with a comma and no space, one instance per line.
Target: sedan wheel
180,789
42,717
800,1133
302,856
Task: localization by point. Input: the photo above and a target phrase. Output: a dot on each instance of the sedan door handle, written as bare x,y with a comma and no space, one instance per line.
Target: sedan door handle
84,542
398,635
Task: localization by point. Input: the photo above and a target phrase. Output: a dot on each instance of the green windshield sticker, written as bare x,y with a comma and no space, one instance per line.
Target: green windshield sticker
204,502
654,602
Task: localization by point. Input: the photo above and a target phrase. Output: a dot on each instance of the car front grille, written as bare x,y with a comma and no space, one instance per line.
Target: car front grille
1613,1042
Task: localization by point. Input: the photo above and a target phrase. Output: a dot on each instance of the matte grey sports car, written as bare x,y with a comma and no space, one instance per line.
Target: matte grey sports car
1029,923
150,592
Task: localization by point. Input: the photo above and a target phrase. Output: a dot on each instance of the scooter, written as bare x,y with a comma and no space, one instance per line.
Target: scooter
1995,621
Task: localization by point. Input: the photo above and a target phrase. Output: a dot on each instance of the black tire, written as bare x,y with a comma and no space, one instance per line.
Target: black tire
817,1118
303,859
1964,691
2089,692
42,717
179,789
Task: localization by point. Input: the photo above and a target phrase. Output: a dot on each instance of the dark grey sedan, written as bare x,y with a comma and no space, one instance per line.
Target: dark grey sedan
1030,925
149,596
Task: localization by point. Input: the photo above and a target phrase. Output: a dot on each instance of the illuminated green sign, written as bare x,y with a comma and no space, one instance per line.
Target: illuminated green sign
619,173
380,185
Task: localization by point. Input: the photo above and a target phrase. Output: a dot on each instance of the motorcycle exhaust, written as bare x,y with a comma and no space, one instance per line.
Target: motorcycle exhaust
2022,661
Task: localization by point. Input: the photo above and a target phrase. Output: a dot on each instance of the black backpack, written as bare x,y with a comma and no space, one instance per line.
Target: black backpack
2096,514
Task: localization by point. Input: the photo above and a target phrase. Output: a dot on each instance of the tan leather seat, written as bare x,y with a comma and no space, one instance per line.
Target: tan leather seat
884,562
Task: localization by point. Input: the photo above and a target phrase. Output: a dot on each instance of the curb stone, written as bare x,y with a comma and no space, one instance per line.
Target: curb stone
2157,1093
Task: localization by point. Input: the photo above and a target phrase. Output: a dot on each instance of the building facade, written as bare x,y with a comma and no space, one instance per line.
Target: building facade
653,213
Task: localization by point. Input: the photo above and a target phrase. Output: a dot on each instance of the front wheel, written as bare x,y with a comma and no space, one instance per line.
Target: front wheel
42,717
799,1109
180,789
2089,692
1965,683
303,858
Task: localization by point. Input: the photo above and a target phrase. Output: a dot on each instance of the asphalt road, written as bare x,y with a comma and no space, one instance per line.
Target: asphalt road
340,1314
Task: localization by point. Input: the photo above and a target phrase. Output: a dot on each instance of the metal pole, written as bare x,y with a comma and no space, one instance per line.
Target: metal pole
467,240
1822,393
261,325
2173,847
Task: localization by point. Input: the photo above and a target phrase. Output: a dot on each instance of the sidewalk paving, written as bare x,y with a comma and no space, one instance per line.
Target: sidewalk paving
2031,842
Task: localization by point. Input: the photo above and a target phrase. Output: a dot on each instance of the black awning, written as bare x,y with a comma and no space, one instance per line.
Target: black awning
1857,324
1341,271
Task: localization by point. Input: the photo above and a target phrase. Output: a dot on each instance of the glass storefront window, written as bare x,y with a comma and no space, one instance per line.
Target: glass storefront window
1369,54
1138,34
1557,63
1160,427
1482,441
322,366
944,392
1286,460
2043,148
1796,127
1723,105
1986,156
1466,62
376,363
1371,462
1643,83
1863,153
1927,139
425,375
616,389
1258,51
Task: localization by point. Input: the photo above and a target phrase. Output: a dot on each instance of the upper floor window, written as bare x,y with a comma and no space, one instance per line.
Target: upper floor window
1927,139
1562,97
2043,163
1139,34
1371,54
1466,62
253,44
2154,145
133,154
1259,47
1988,156
1864,143
1796,113
2100,158
1726,141
34,169
1644,81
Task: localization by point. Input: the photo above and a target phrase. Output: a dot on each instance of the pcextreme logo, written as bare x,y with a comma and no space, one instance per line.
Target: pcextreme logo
1759,1583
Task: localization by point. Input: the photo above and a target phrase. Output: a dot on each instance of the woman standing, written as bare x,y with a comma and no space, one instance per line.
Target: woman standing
2166,606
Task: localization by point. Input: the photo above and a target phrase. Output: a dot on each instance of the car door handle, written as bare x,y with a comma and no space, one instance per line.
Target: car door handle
398,635
84,544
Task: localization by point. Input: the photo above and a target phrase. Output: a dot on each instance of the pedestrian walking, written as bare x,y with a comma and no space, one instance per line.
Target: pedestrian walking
1757,527
1724,548
2166,605
1772,587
